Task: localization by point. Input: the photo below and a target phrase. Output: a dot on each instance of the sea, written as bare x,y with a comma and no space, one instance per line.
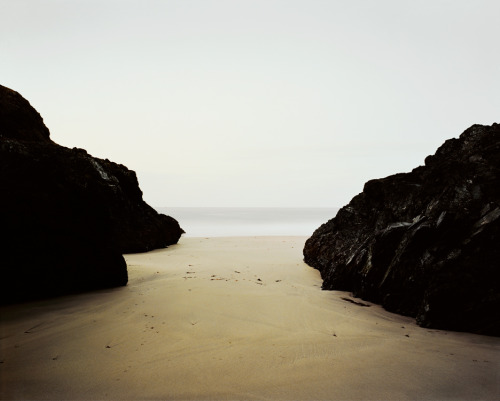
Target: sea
244,221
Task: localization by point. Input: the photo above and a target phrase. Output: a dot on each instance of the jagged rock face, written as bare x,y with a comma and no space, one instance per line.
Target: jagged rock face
66,217
424,243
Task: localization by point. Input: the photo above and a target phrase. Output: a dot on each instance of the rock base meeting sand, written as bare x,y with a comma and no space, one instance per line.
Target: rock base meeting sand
233,318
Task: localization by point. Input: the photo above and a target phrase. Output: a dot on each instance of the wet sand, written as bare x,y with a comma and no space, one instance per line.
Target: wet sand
233,318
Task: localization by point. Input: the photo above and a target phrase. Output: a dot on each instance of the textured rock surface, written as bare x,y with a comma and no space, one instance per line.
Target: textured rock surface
425,243
66,217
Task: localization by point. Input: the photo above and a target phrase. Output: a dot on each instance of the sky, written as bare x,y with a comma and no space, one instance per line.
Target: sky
265,103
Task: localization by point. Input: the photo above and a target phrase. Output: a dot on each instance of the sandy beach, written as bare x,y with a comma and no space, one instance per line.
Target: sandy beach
233,318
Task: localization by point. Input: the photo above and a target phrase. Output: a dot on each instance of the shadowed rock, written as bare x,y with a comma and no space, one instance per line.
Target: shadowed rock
20,121
424,243
66,217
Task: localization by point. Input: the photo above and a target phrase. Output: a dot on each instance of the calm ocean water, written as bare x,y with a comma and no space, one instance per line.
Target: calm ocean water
221,222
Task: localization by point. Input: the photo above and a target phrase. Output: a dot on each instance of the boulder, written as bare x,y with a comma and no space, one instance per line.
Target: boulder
425,243
66,217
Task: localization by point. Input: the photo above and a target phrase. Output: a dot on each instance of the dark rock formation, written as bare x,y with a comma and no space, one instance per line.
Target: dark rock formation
425,243
65,216
20,121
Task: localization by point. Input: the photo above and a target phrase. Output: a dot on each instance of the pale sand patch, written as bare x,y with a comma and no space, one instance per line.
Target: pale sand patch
233,318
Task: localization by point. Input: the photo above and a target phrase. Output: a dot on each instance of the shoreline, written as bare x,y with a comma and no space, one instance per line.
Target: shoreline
233,318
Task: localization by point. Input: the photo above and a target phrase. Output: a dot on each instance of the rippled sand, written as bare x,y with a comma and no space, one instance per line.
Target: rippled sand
233,318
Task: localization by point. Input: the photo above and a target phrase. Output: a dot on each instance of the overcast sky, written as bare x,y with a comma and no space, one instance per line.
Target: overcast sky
250,102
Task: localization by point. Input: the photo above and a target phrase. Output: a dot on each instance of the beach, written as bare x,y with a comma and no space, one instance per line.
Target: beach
228,318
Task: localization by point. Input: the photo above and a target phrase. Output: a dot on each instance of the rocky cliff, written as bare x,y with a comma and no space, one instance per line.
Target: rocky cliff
66,217
425,243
